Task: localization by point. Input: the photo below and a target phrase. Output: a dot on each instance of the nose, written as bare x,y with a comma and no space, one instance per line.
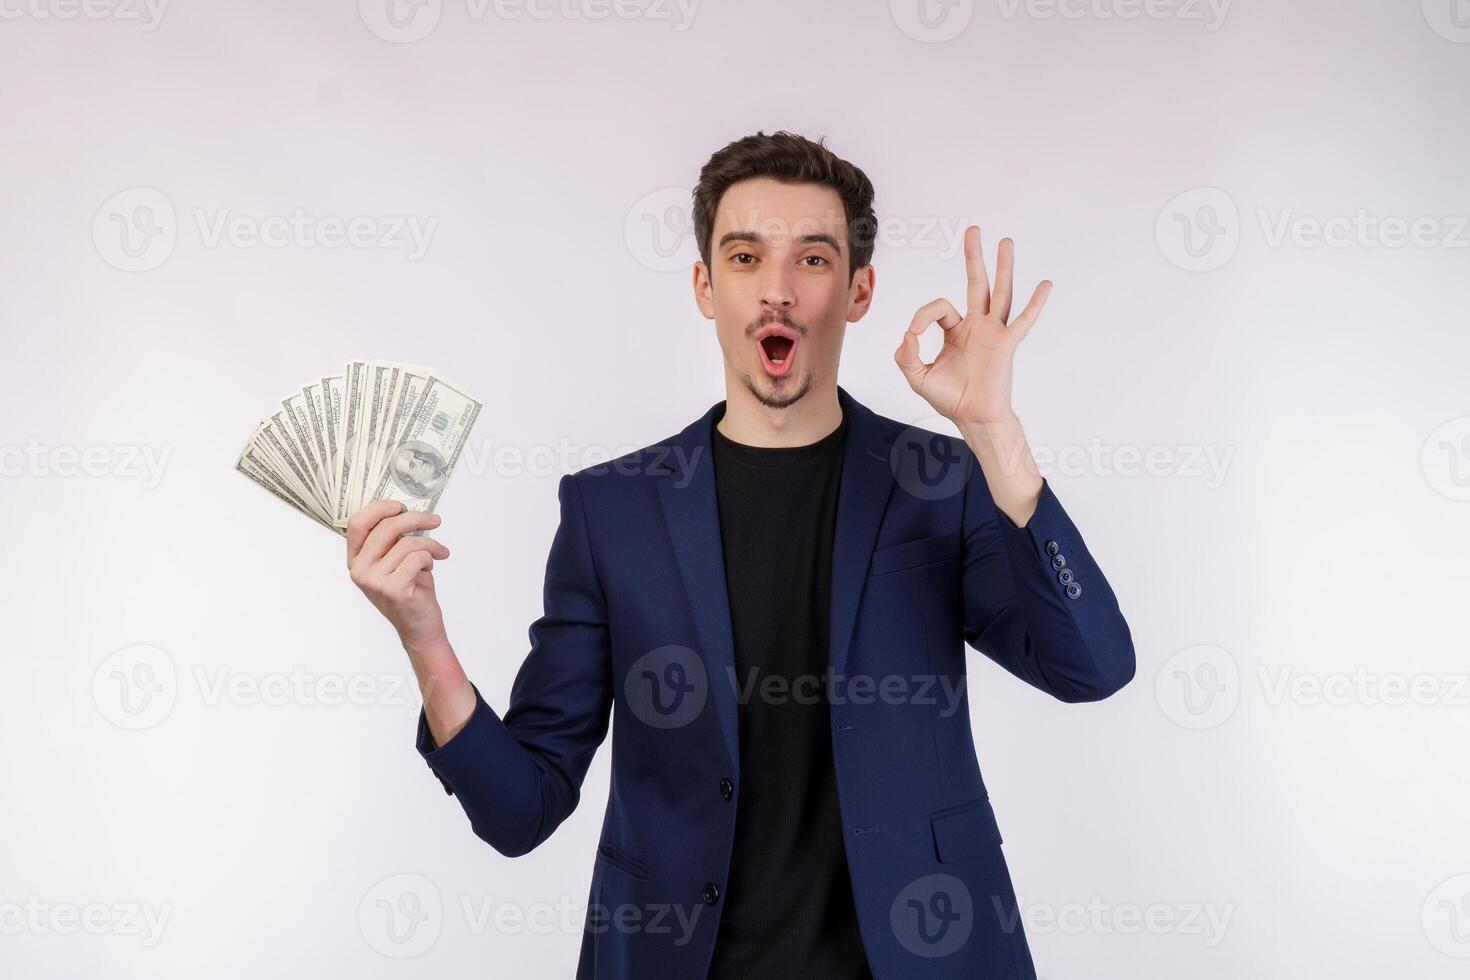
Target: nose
777,294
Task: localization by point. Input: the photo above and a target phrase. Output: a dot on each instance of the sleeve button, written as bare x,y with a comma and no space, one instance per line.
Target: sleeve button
1073,590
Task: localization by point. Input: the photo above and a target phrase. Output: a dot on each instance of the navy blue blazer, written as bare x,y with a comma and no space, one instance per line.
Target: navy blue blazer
636,626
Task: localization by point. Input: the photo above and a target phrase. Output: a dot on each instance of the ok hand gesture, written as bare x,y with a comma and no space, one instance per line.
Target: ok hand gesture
970,380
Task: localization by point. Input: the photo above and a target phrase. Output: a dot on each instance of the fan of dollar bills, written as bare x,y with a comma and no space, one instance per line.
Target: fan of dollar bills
379,430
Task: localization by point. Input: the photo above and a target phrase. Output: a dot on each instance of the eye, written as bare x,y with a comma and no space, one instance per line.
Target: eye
819,258
736,258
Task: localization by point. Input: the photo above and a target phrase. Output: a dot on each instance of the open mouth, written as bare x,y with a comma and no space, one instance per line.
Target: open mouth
777,346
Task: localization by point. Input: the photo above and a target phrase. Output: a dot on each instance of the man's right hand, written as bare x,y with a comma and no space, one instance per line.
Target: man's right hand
394,569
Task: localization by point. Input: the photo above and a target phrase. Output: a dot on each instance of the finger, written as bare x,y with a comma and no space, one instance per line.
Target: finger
408,570
389,530
1022,324
940,311
909,361
362,523
1005,260
977,293
408,544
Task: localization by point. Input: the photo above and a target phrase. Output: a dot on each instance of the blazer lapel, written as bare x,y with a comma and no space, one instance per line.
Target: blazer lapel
866,484
686,490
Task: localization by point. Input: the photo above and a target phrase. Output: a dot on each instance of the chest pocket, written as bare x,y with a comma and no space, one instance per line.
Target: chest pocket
916,553
965,830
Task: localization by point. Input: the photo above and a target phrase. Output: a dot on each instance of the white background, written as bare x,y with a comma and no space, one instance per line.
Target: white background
1327,546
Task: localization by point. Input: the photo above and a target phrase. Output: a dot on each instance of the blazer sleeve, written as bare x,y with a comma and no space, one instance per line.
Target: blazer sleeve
1037,603
520,776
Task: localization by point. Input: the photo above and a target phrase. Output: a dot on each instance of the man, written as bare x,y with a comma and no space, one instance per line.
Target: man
777,600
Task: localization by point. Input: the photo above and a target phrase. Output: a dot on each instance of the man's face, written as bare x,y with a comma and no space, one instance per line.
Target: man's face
777,287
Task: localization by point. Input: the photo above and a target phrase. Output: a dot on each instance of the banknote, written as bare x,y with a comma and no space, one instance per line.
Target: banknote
421,457
375,430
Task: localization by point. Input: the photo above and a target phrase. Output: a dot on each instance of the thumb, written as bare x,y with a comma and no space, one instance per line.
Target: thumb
909,361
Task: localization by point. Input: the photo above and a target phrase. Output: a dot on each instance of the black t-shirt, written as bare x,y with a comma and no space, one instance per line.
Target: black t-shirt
787,910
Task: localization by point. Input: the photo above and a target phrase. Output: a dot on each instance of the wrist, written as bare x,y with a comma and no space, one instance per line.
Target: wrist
432,646
987,424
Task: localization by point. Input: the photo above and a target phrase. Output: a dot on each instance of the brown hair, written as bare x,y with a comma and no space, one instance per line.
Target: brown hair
792,159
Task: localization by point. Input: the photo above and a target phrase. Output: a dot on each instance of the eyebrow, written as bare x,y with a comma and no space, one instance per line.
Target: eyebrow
818,238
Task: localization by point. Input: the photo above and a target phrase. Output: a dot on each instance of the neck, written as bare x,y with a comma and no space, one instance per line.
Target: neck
811,417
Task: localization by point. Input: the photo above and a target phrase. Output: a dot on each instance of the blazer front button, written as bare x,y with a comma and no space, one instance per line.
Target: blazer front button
711,893
1074,590
727,788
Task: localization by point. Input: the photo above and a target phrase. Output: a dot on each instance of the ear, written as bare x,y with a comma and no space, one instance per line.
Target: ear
860,294
704,291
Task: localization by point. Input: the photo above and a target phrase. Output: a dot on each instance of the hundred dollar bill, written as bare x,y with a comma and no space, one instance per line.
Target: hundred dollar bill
299,423
278,437
408,386
381,377
331,410
255,464
354,386
419,464
377,430
322,434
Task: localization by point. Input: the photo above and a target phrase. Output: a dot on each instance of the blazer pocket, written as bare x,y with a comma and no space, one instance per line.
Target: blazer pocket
621,861
965,830
912,554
